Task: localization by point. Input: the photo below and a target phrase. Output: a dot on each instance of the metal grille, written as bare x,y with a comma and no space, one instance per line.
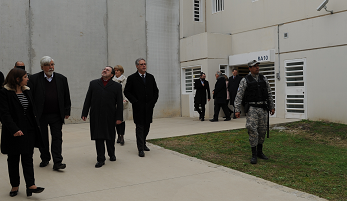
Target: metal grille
295,74
191,74
197,10
268,70
217,6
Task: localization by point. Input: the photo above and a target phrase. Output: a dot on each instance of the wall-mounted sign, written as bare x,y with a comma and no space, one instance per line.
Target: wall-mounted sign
243,59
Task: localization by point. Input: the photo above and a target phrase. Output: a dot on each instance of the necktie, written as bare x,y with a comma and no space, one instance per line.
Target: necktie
234,77
143,78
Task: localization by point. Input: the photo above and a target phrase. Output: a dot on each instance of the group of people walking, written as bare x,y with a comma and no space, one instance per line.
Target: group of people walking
224,93
253,92
28,106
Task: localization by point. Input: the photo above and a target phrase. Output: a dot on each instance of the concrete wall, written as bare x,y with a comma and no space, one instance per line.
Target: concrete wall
83,38
162,26
74,34
126,33
14,34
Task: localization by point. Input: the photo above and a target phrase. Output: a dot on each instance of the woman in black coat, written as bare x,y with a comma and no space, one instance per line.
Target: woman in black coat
20,131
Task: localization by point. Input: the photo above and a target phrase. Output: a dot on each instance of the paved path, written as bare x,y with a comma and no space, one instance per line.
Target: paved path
161,175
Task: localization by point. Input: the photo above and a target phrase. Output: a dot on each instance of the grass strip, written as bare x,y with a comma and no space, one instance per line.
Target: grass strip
309,156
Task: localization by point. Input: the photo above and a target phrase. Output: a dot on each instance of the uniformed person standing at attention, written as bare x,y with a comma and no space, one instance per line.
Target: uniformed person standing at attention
256,92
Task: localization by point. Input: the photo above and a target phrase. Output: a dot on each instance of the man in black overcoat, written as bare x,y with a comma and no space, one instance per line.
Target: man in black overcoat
104,103
142,91
233,87
220,97
201,85
52,99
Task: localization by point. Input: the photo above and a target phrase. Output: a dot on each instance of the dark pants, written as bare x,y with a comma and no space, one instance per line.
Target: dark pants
55,124
141,135
230,111
120,128
100,149
27,165
217,107
202,111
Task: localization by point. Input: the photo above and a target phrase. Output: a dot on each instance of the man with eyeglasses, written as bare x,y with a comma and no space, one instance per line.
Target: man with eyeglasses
142,91
104,103
255,90
52,98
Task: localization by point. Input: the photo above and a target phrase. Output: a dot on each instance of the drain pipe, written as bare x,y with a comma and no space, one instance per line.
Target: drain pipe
278,75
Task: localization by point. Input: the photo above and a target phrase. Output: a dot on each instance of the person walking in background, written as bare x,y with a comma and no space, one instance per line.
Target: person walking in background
202,89
104,99
52,98
256,91
20,131
234,82
121,79
228,96
143,93
220,96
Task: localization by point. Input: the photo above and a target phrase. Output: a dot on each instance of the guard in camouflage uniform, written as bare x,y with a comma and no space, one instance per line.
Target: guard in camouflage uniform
255,92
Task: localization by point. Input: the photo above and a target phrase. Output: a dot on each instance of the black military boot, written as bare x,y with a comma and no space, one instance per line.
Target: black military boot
254,155
260,153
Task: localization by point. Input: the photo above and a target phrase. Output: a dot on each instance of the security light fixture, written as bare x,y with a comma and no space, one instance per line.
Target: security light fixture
324,5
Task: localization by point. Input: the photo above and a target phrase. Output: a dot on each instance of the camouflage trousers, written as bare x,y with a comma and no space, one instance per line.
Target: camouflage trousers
256,123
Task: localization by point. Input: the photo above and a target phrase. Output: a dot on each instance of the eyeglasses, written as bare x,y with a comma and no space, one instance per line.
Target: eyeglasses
49,65
143,64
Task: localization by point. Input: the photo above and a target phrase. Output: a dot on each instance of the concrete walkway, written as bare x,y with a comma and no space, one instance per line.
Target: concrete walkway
161,175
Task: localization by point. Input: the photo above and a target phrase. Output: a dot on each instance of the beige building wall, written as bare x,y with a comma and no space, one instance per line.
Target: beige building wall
318,37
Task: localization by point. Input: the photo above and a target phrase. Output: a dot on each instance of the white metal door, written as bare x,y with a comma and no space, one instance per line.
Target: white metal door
295,89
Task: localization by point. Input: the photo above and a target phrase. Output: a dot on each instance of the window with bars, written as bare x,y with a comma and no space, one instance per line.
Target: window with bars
190,75
197,11
223,69
217,6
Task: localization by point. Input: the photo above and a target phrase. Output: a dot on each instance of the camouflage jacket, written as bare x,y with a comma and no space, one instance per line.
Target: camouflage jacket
242,89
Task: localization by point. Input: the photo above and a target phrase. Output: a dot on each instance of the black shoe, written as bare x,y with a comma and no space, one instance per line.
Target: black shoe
213,120
99,164
118,139
44,163
113,158
224,117
234,117
146,148
122,140
13,193
227,119
202,119
141,154
59,166
31,191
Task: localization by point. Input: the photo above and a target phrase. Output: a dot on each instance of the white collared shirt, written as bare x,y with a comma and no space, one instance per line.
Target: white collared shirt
49,79
144,75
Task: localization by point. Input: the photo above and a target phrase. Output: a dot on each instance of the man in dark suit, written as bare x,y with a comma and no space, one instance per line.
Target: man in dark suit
105,101
201,85
52,98
234,82
220,97
142,91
